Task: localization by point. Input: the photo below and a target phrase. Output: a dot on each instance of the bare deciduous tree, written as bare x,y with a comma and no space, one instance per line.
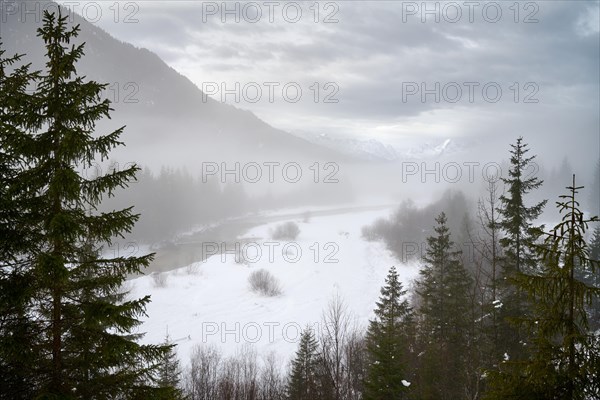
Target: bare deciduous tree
335,334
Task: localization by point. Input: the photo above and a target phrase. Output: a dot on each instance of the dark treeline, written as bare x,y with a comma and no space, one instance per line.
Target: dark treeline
175,201
554,182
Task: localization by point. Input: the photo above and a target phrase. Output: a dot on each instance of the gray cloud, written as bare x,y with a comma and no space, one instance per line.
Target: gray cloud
371,53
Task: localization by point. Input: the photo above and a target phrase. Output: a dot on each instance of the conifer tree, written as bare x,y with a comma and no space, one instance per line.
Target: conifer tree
169,372
388,374
444,292
17,330
517,218
595,244
564,354
304,379
592,278
84,323
518,243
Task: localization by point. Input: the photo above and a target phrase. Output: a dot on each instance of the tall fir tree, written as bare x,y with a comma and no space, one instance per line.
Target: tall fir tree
565,357
444,290
304,382
84,322
518,243
388,339
17,329
517,218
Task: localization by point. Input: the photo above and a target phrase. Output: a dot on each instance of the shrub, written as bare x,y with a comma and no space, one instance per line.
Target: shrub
377,231
193,269
159,279
264,283
286,231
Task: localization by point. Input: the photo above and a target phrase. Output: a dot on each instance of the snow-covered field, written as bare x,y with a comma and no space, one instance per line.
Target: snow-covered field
211,303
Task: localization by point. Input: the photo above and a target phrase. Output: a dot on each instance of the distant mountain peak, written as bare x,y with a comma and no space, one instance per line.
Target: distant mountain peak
364,149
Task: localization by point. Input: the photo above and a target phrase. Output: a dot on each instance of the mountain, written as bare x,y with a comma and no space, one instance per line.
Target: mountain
367,150
429,150
374,150
171,121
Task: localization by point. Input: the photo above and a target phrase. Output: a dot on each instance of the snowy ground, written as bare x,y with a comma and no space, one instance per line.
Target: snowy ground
210,302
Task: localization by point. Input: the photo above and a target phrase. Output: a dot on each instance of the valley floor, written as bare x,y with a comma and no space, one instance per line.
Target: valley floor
210,301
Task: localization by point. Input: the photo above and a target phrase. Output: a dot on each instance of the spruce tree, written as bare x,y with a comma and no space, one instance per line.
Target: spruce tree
304,380
17,328
592,278
595,244
564,356
169,372
388,375
518,243
520,234
84,323
444,290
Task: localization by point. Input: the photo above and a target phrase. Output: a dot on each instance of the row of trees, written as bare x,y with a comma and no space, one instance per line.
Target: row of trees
173,201
329,364
515,318
409,223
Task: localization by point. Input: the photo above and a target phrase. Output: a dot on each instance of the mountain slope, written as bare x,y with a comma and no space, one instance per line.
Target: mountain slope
171,122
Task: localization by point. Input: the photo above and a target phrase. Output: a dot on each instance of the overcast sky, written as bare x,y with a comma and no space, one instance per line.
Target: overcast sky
375,58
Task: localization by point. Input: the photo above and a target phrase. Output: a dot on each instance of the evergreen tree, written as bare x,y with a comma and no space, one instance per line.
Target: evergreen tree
592,278
387,343
518,243
517,219
595,244
564,354
304,379
83,328
17,330
444,328
169,372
